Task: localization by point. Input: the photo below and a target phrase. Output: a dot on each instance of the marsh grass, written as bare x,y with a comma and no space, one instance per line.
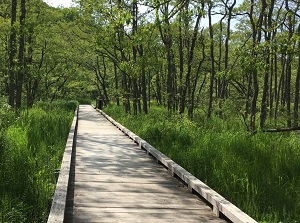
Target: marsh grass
259,174
31,149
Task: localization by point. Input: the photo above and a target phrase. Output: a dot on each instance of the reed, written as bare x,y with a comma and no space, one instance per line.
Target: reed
31,151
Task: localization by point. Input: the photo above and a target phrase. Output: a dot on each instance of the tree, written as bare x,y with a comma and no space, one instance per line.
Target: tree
297,87
12,53
268,32
164,26
212,58
21,57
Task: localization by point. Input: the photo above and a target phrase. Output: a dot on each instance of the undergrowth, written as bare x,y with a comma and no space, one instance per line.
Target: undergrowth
31,148
258,173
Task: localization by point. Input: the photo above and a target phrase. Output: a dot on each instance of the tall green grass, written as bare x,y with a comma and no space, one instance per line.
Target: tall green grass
259,173
31,149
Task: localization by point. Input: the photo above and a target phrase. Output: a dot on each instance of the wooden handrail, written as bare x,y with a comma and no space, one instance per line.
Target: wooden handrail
219,203
59,202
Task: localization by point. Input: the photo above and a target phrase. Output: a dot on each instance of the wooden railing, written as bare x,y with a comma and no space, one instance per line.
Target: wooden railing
219,204
59,203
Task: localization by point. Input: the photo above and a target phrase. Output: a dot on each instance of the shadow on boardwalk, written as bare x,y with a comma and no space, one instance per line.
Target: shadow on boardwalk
115,181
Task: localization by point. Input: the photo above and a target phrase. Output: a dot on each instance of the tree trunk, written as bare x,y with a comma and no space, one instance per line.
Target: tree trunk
254,102
187,87
224,81
116,85
195,81
289,69
287,93
273,77
167,40
104,86
256,38
21,63
263,109
297,90
171,75
248,95
212,58
135,95
31,87
126,81
280,90
158,89
12,54
218,81
143,81
181,65
226,58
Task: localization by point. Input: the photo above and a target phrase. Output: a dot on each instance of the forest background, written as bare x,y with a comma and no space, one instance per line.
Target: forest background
206,60
169,51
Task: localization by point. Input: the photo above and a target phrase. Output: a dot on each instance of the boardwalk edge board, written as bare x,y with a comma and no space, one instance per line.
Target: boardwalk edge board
58,207
219,203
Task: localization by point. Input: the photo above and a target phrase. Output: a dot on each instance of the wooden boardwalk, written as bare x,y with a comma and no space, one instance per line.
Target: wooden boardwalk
115,181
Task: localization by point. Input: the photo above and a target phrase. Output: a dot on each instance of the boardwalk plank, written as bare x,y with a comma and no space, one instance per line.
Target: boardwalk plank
115,181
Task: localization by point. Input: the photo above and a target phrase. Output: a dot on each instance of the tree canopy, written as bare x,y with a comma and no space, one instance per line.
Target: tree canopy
219,56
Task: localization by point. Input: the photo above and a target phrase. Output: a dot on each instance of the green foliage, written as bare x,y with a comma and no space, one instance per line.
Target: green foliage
259,174
57,105
31,149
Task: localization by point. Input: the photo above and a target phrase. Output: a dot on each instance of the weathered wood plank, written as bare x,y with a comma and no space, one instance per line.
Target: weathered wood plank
140,218
108,178
121,197
138,205
143,215
129,187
